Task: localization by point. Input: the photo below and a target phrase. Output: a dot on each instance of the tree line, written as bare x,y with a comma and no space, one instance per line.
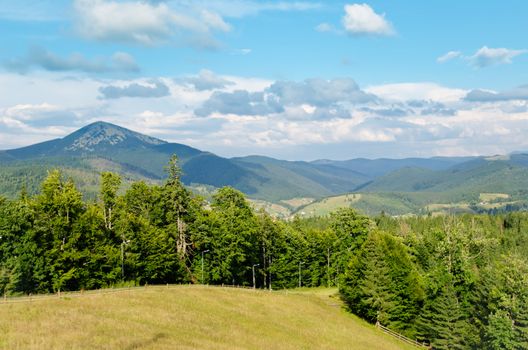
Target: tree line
455,282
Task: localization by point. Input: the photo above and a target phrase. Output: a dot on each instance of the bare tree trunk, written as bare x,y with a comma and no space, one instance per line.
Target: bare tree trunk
264,265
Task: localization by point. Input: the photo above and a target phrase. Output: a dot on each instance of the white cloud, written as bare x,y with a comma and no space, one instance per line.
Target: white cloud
242,8
181,22
449,56
401,120
153,88
38,57
480,95
44,87
206,80
324,28
145,23
417,91
328,96
28,111
33,123
486,56
360,19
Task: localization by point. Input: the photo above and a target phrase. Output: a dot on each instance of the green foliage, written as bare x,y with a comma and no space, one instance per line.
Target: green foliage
455,282
382,284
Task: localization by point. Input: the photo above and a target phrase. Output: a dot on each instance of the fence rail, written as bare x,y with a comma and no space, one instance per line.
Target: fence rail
60,294
402,337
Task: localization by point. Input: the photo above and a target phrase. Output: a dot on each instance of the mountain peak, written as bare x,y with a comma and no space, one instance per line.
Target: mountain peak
99,138
102,135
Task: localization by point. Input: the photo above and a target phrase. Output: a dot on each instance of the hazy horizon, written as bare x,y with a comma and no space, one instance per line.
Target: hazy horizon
291,159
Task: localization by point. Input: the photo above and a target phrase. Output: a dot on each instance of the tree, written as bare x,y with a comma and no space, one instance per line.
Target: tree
443,320
110,183
382,284
176,206
235,228
351,230
57,209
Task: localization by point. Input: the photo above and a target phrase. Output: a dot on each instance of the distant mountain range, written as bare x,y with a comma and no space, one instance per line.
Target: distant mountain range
104,146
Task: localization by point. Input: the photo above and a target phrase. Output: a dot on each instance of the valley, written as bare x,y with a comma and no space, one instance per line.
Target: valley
283,188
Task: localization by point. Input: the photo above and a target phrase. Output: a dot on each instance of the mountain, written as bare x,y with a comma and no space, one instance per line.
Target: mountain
97,138
382,166
505,174
405,184
103,146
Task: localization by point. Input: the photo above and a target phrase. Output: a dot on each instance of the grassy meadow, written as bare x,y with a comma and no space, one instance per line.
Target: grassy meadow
189,317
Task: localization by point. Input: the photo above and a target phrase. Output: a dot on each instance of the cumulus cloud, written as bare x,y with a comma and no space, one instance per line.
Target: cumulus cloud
394,111
449,56
360,19
479,95
38,57
154,88
317,97
206,80
157,22
34,122
486,56
320,92
417,91
146,23
271,118
410,108
29,111
239,102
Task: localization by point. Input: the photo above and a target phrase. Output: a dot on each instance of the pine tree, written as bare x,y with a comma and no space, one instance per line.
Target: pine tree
443,321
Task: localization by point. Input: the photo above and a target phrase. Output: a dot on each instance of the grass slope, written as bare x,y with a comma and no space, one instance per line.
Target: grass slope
189,317
367,203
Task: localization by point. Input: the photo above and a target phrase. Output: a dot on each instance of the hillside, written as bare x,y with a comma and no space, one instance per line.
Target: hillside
480,175
379,167
103,146
395,186
189,317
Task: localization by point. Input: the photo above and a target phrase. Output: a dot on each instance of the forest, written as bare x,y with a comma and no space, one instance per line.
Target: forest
456,282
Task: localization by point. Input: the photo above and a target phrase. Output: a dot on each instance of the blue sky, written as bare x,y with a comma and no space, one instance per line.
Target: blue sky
290,79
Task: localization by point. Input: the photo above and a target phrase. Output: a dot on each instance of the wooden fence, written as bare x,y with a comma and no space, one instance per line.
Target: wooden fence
58,295
402,337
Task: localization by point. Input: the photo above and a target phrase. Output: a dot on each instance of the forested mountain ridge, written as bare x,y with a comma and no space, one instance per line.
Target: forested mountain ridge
101,145
410,184
382,166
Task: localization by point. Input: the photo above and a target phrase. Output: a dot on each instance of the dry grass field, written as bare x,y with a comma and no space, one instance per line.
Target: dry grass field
188,317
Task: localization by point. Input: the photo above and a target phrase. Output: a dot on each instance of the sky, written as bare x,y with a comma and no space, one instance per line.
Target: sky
297,80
